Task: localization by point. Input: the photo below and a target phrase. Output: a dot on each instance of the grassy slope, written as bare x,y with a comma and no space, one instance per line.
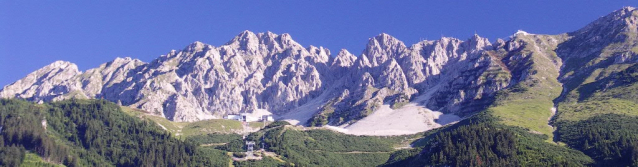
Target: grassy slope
319,147
600,91
33,160
591,108
187,129
596,82
605,106
527,104
595,97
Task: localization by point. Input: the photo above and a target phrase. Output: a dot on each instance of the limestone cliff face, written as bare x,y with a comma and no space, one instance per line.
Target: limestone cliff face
273,72
267,71
51,82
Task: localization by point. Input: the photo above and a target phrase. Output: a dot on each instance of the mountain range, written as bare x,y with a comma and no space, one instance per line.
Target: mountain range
568,99
523,78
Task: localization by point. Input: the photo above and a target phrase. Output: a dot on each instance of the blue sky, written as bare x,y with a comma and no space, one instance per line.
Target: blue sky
88,33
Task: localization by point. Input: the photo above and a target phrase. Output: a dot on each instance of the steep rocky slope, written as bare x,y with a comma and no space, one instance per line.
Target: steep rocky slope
272,72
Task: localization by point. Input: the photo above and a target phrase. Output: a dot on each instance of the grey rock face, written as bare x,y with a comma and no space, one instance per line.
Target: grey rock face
51,82
275,73
388,72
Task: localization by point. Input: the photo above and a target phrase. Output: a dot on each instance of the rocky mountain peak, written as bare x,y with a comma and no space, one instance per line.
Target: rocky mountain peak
123,59
195,46
383,47
619,15
344,59
59,64
386,42
478,43
319,54
363,61
44,83
250,41
630,8
626,11
118,62
618,29
268,38
318,50
622,20
57,69
285,38
246,40
275,43
631,18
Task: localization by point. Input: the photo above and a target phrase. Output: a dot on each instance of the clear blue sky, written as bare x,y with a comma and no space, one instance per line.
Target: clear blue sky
88,33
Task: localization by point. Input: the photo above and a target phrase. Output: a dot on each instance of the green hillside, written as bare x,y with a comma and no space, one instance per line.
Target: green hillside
484,141
90,133
528,102
184,130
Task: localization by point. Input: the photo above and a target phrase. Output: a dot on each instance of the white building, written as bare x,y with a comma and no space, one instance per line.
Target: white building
234,117
248,117
267,118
